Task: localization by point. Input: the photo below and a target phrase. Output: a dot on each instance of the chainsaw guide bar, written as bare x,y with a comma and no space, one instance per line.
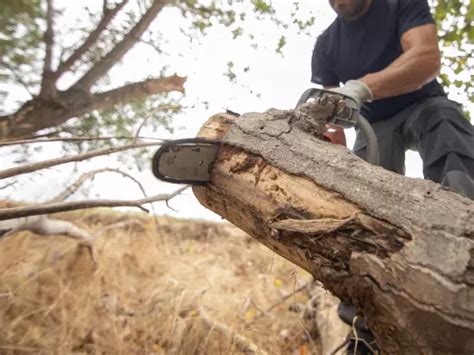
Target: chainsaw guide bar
186,161
190,161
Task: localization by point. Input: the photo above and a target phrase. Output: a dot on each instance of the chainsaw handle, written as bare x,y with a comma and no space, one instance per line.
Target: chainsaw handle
372,155
308,94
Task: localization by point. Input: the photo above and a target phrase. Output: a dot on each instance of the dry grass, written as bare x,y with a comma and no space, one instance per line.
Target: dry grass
139,289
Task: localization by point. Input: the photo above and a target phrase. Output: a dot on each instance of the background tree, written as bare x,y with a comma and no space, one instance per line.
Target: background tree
455,20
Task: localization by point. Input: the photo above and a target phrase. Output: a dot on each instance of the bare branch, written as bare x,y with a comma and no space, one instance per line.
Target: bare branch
48,83
28,168
6,186
89,175
50,134
75,186
44,226
105,7
137,134
109,60
136,91
54,207
75,139
107,17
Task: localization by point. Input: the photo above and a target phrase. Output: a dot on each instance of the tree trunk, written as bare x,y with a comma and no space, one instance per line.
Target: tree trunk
401,249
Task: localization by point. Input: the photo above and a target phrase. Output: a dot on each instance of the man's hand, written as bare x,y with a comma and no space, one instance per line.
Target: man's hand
357,90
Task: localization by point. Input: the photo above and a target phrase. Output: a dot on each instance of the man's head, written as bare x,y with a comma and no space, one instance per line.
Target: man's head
350,10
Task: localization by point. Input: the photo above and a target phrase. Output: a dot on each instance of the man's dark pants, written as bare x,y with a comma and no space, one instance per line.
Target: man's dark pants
437,129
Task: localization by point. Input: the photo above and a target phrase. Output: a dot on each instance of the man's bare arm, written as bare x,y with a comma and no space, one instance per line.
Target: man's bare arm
419,64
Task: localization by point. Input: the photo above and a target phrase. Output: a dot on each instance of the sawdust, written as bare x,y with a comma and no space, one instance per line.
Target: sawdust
138,289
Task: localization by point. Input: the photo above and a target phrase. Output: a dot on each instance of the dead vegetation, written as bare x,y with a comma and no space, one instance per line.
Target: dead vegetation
145,286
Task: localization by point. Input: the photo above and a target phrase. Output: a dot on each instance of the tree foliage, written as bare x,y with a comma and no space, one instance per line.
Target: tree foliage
455,19
20,38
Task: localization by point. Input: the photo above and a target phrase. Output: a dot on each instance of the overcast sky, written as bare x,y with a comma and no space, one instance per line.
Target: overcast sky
272,81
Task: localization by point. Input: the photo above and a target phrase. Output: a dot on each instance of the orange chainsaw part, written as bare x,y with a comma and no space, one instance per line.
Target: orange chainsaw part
335,135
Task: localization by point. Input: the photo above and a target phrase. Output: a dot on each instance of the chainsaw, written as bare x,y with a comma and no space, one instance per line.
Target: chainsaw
190,160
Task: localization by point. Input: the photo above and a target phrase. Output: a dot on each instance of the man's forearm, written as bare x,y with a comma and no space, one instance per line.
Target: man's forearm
407,73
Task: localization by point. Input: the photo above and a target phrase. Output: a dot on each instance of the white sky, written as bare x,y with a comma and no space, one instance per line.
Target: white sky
279,80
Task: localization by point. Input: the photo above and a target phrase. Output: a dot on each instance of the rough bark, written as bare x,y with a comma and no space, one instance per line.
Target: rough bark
401,249
48,84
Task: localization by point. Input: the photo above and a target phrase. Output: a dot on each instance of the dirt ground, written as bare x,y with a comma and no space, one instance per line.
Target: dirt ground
148,286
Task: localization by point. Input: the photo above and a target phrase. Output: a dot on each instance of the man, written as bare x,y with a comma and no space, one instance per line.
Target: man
386,53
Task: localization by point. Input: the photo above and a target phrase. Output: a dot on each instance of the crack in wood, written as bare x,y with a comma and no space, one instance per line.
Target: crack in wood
456,318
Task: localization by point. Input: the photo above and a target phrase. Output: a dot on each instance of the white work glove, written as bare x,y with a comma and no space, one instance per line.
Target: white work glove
357,90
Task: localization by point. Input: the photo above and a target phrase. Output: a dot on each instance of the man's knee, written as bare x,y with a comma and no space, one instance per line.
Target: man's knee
455,171
433,114
460,182
440,129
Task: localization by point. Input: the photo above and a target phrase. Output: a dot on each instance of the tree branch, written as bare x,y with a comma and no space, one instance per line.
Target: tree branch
105,6
6,186
136,91
42,225
48,82
137,133
89,175
29,168
107,17
84,177
75,139
108,61
54,207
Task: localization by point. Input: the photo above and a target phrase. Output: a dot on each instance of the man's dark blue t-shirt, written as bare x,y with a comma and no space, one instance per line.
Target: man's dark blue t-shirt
350,50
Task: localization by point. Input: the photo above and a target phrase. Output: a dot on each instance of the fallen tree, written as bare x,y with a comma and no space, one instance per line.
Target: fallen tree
401,249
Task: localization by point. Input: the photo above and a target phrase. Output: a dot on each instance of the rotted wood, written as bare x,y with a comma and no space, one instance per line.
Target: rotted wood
401,249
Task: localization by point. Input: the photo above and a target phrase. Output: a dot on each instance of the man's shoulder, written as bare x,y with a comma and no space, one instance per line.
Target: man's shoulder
327,35
331,29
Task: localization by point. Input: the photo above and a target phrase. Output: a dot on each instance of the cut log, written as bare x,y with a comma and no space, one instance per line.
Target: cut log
401,249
